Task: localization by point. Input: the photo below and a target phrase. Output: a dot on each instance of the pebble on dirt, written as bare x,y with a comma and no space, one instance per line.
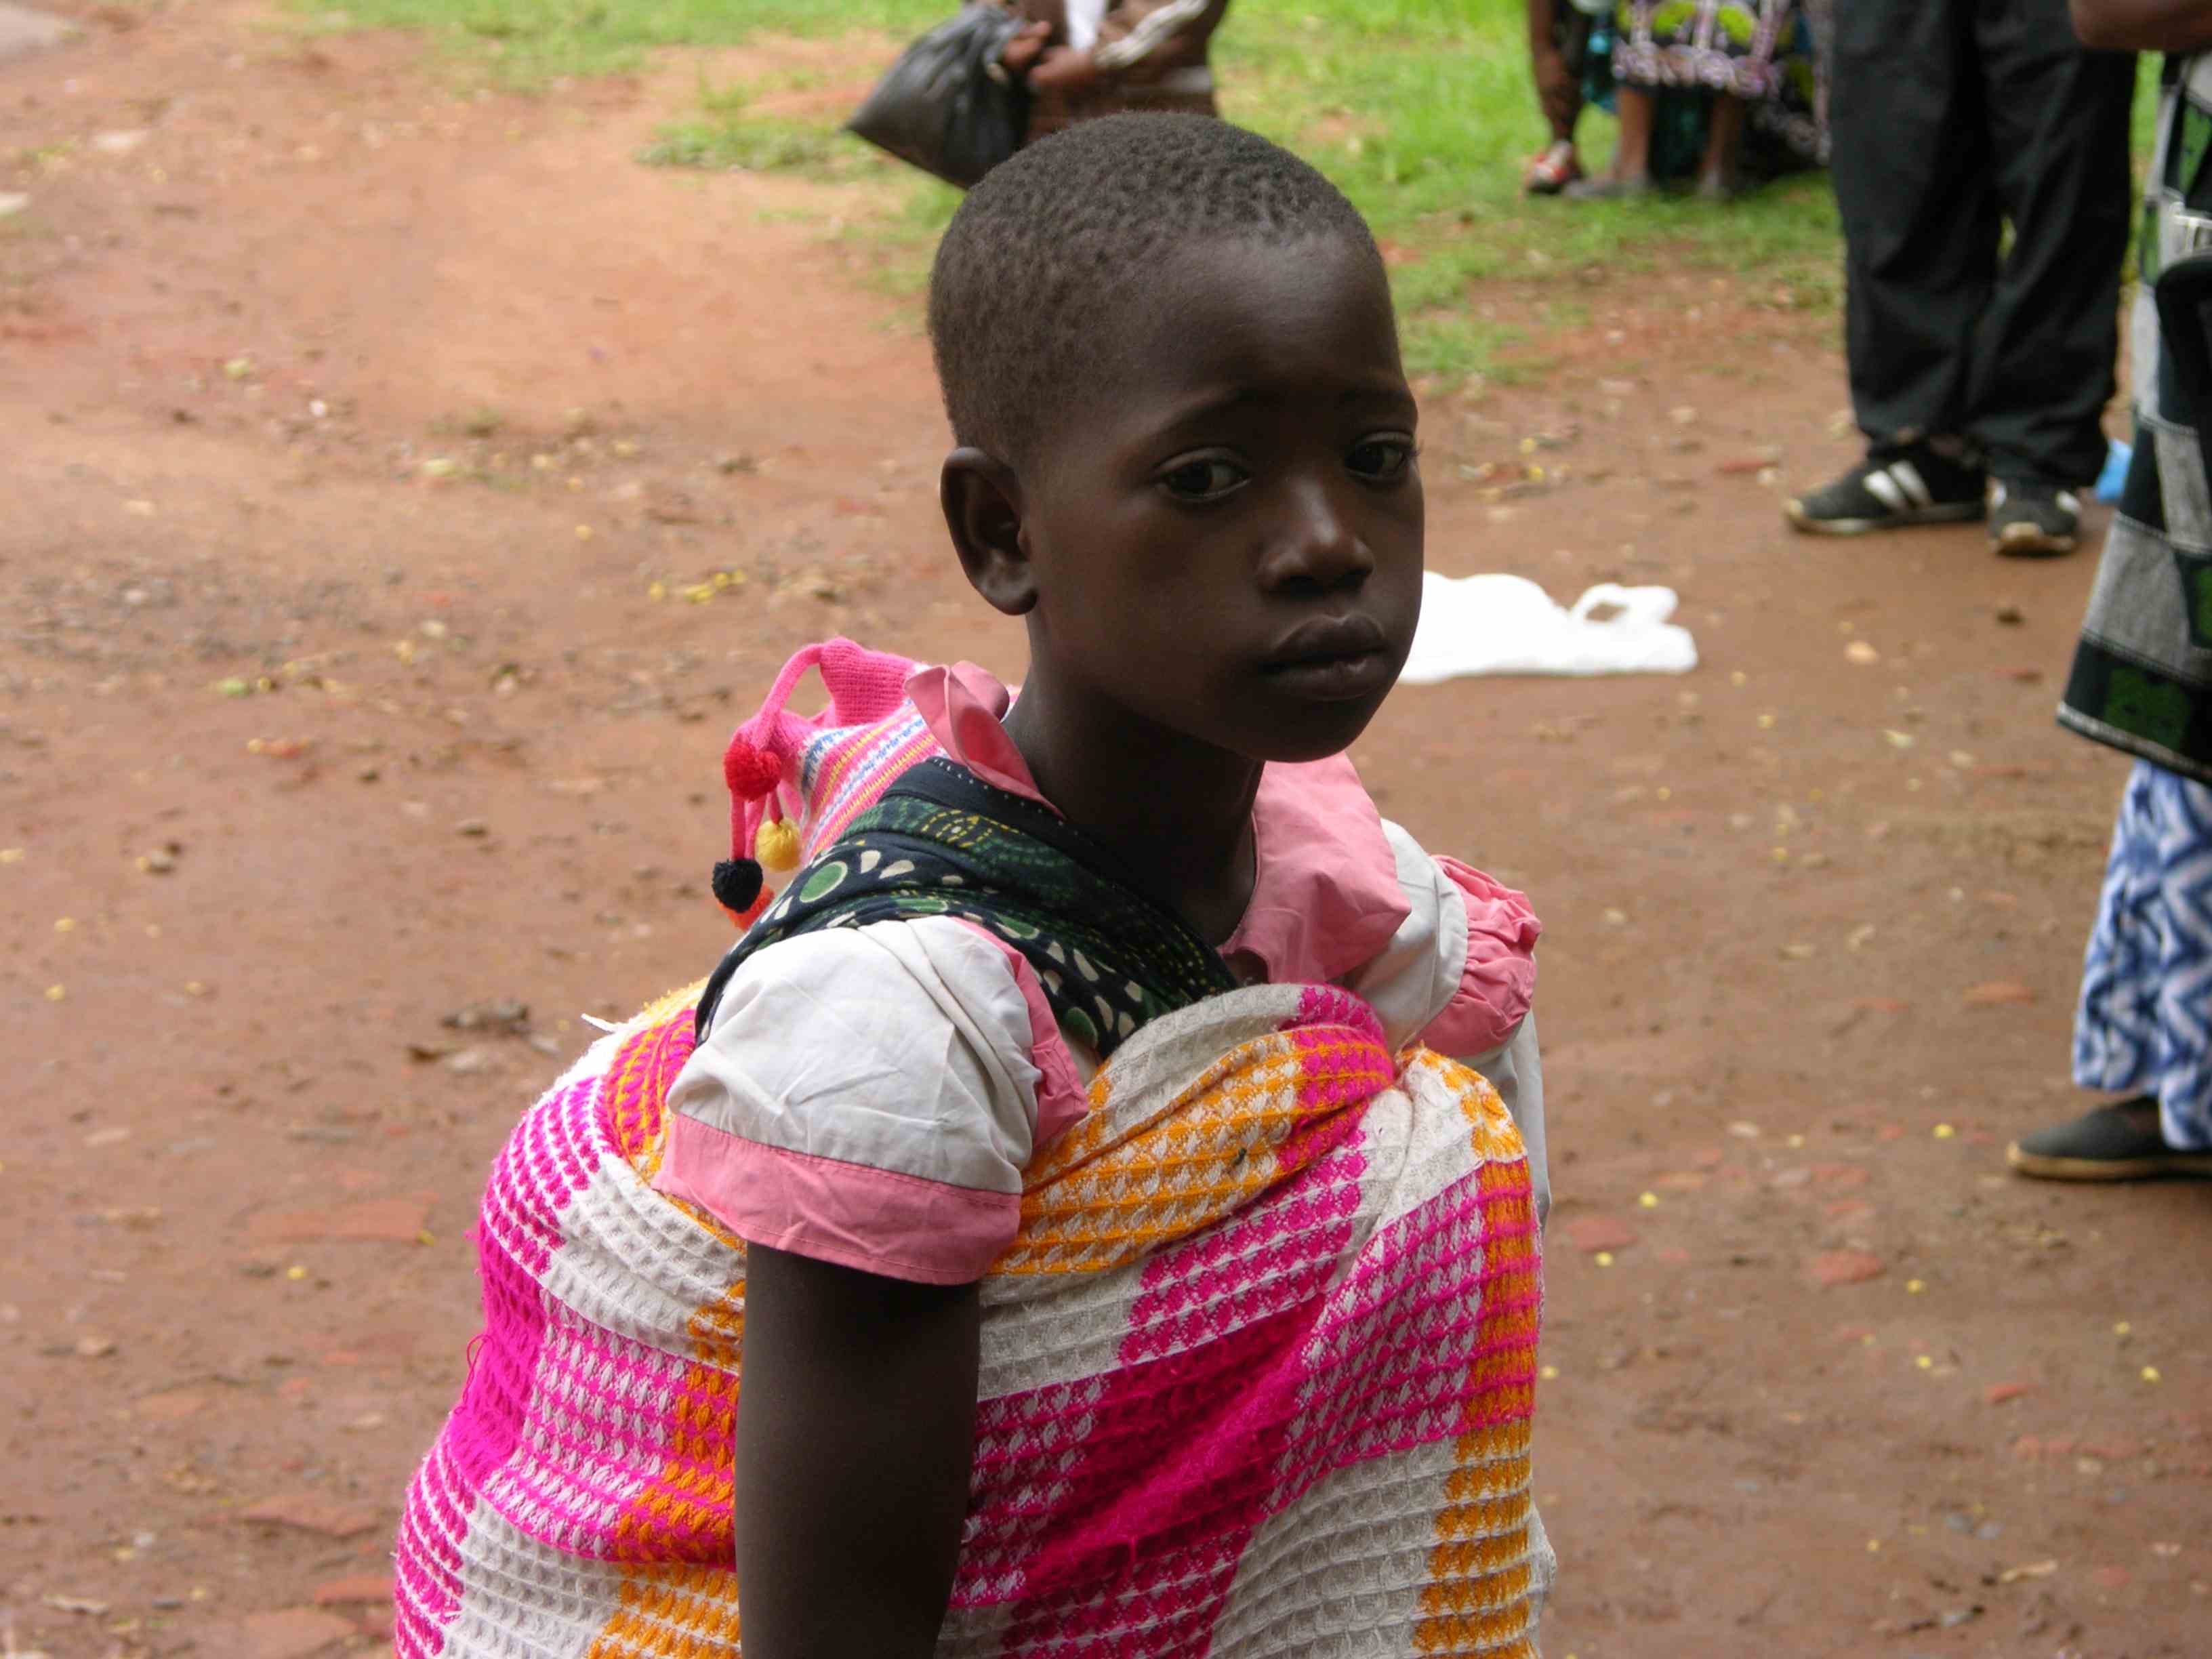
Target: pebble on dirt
383,1220
1833,1268
289,1633
509,1015
365,1587
307,1512
1595,1233
83,1605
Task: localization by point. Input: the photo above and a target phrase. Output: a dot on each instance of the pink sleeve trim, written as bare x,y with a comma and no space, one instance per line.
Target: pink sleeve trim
1061,1100
1498,984
878,1221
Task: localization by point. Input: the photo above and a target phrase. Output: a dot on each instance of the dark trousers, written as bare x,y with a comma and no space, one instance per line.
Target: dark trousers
1951,118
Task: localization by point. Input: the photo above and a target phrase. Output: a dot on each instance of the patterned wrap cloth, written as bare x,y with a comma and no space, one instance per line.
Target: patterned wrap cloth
2141,679
1257,1373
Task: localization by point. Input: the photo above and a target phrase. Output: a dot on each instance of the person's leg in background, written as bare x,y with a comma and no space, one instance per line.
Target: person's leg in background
1632,154
1916,189
1717,178
2144,1023
2058,118
1559,58
1637,87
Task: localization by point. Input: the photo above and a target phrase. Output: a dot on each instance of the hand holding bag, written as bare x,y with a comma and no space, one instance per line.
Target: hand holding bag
947,106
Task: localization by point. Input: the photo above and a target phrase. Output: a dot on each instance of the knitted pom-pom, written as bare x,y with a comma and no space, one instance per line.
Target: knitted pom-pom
737,884
777,845
751,772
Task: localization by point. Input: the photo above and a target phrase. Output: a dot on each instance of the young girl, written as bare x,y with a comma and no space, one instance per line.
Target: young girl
1065,1164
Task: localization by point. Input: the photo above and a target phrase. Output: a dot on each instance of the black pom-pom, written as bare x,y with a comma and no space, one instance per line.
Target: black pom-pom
737,884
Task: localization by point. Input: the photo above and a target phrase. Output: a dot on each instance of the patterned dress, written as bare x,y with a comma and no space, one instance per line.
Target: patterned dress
1760,51
2145,1021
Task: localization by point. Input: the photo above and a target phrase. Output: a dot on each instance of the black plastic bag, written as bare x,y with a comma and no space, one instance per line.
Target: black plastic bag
946,106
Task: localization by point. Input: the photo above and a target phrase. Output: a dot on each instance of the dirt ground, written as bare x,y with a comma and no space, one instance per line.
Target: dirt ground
368,450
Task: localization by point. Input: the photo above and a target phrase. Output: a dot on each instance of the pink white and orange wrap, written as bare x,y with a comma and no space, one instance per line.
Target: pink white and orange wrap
1257,1373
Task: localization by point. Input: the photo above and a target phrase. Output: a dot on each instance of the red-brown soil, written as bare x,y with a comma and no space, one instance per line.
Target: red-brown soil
1814,923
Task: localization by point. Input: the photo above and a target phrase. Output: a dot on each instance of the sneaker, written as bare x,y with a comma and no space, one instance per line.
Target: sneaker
2119,1142
2033,521
1915,485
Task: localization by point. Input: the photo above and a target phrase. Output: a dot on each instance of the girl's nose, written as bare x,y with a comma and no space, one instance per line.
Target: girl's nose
1315,548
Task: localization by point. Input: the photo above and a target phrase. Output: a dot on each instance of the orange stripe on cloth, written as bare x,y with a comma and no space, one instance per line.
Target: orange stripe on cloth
683,1513
636,1089
672,1613
1480,1568
1108,1193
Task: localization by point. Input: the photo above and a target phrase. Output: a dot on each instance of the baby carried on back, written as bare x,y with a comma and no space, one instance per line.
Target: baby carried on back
1260,1265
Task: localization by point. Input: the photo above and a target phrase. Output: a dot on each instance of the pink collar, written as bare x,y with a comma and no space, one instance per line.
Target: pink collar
1326,899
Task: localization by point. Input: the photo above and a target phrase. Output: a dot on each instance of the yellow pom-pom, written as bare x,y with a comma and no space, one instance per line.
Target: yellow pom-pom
776,846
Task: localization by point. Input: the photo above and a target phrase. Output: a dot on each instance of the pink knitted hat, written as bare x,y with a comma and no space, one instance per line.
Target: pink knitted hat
762,764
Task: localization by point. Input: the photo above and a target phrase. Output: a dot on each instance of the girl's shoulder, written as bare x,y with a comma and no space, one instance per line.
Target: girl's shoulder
870,1096
954,1010
1444,952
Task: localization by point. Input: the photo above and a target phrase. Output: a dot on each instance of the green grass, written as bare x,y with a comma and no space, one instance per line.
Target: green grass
532,42
750,146
1420,109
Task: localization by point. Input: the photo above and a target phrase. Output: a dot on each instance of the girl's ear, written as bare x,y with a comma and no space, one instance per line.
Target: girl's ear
982,501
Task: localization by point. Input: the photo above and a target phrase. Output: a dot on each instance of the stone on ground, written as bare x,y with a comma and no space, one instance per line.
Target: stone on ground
23,31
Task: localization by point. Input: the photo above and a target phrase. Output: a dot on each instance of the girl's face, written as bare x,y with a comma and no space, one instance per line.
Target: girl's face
1227,541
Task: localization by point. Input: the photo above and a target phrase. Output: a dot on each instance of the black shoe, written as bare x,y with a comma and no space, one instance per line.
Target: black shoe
2033,521
1891,489
2119,1142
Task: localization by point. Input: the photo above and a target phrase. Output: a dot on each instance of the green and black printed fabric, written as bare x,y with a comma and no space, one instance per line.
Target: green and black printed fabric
2141,679
942,842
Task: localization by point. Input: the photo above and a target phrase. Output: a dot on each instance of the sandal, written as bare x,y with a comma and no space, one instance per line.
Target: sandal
1551,172
1610,189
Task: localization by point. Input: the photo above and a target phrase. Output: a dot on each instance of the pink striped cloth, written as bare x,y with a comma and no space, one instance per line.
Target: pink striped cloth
1257,1373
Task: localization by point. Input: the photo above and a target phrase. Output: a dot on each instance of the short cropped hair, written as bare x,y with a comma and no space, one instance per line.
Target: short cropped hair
1029,271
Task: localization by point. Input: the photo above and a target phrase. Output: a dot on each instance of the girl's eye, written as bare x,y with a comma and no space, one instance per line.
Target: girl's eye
1381,460
1204,480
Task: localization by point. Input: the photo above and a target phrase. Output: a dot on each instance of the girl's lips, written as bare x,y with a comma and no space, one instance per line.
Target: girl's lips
1346,677
1325,639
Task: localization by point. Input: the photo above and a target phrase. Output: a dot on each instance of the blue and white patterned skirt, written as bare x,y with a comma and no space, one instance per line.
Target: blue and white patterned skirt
2145,1022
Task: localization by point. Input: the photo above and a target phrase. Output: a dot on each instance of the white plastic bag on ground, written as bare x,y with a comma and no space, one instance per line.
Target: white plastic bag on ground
1509,625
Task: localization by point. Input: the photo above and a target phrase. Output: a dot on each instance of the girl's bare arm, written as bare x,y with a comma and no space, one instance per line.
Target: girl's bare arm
2144,24
855,1435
